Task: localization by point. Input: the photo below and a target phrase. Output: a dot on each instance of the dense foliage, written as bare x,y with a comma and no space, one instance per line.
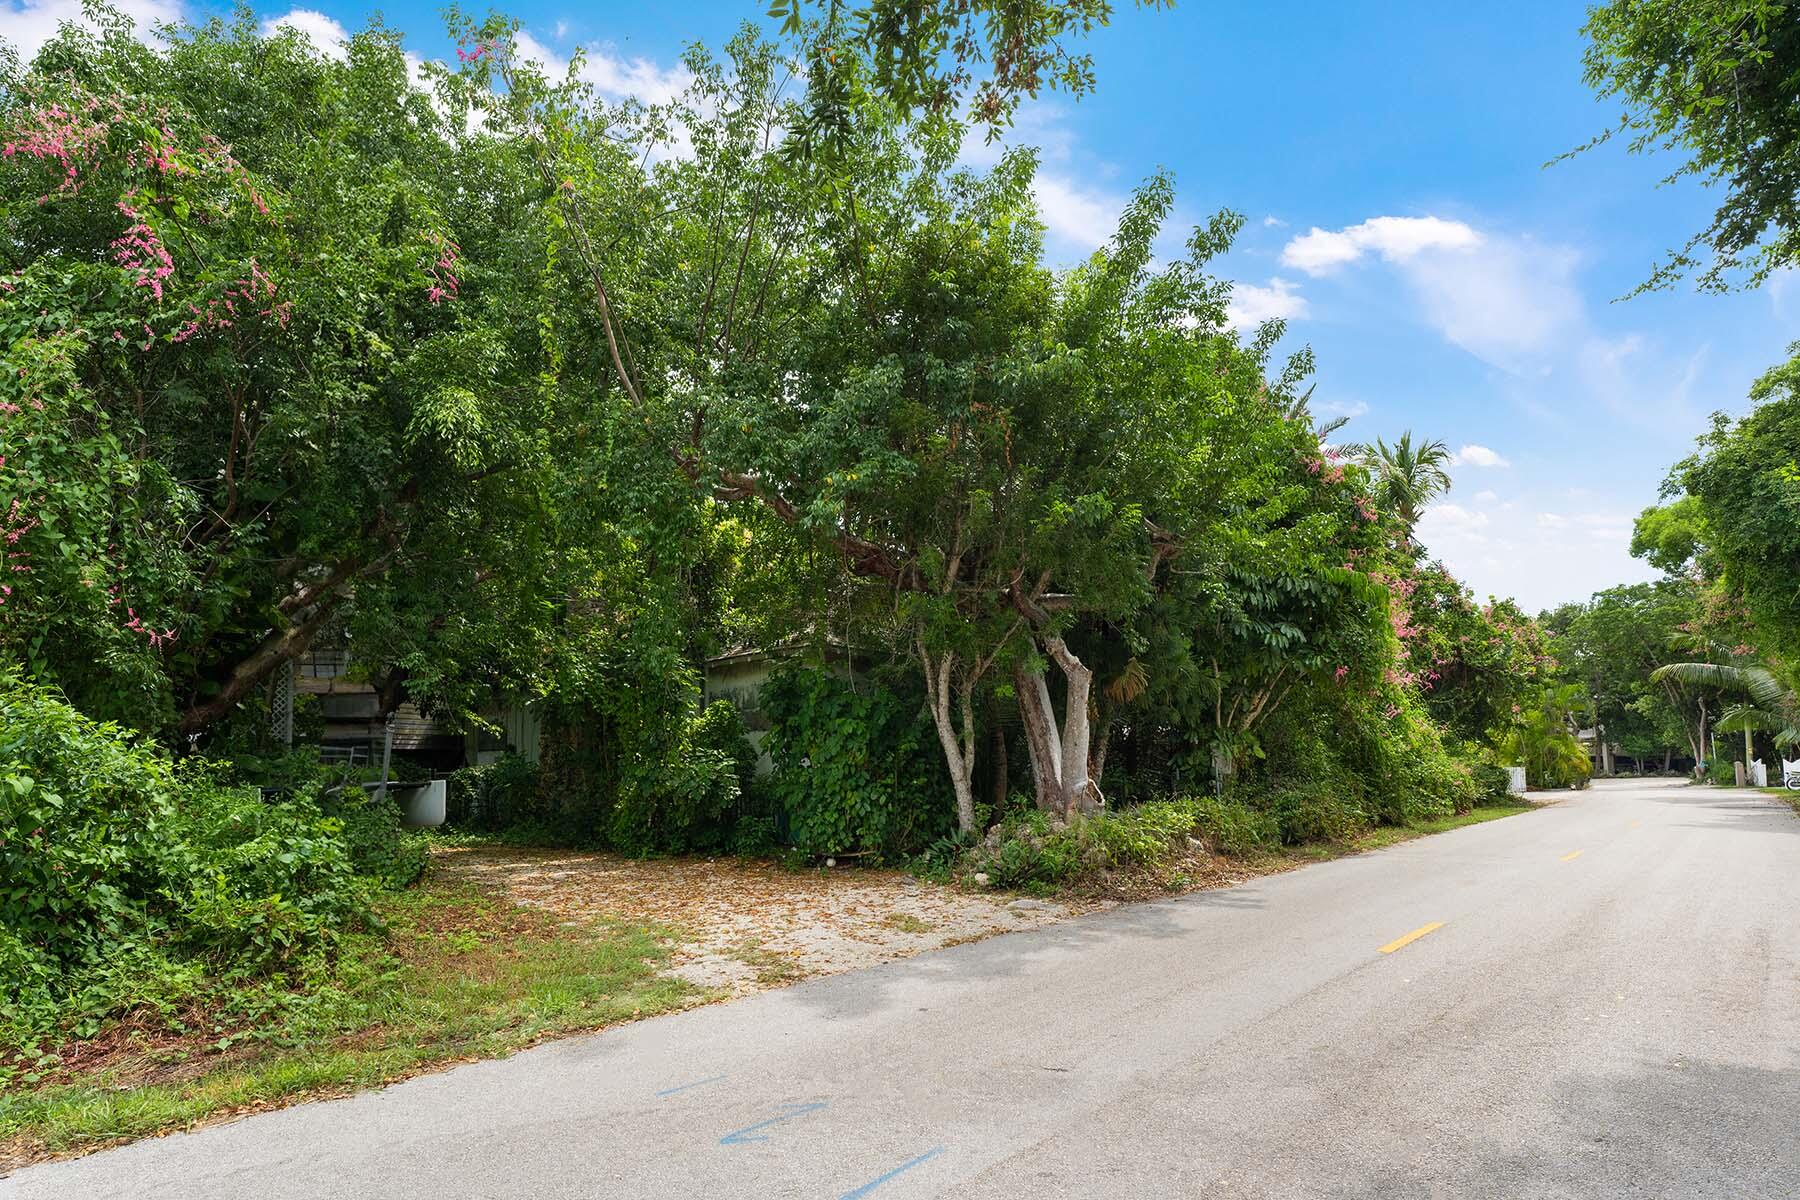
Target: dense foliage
126,878
528,398
1713,80
856,768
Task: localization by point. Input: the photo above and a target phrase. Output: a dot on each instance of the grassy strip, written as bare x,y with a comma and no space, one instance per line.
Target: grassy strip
1194,872
462,976
1388,835
1792,799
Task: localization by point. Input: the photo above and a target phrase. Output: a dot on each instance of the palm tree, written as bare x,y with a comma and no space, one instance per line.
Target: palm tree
1299,408
1541,736
1773,698
1408,477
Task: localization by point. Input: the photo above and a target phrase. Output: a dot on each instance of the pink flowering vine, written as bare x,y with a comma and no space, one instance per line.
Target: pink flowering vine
255,293
64,138
13,561
440,270
140,251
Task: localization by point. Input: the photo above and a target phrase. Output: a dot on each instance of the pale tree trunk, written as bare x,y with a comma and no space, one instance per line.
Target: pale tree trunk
943,689
1079,792
1700,750
1101,744
1059,756
1042,741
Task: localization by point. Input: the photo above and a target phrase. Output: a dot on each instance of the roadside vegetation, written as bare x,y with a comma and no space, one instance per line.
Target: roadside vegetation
518,399
449,973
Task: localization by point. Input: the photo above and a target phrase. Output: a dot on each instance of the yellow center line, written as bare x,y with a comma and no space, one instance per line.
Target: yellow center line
1572,855
1414,936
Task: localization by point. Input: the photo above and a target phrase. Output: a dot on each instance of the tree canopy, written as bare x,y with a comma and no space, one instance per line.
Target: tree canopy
1714,81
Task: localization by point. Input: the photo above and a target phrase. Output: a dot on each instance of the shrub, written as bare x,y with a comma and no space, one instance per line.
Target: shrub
1493,784
123,875
1031,849
496,795
378,846
1303,812
1233,828
856,769
685,801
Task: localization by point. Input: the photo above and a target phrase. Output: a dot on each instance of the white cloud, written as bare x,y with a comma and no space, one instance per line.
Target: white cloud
1452,518
1348,409
326,35
1780,283
616,78
1396,239
1472,455
1487,496
1510,301
1540,558
1273,222
636,78
1082,218
27,24
1251,305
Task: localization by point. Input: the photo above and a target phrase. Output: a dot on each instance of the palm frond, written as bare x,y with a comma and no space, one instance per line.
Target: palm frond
1740,717
1760,685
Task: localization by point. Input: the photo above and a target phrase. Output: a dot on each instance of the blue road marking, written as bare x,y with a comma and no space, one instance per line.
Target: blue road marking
870,1186
790,1111
684,1087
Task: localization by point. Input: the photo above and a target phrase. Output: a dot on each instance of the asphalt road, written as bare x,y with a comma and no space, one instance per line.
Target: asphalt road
1607,1003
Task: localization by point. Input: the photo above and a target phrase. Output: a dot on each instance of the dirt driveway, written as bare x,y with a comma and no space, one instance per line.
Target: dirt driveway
741,926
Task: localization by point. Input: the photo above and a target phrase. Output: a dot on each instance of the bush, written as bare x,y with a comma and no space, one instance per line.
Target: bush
1303,812
685,802
1233,828
1493,784
1030,848
497,795
378,845
856,769
125,876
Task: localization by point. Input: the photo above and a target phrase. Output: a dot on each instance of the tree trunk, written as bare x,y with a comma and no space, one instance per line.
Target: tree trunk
1042,742
942,690
1668,754
1002,770
277,648
1059,758
1079,792
1101,745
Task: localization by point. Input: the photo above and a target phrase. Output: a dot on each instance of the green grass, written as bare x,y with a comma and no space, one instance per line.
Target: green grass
1389,835
1781,793
460,975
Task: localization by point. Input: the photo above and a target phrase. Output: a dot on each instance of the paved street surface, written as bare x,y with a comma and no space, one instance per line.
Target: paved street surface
1606,1003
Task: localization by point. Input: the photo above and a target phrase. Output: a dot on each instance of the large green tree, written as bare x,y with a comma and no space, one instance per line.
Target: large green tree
1717,82
1742,496
286,353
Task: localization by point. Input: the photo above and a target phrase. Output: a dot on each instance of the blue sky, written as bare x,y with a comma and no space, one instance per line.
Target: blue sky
1389,161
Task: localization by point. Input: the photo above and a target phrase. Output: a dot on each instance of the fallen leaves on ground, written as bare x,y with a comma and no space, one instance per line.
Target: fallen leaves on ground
744,925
